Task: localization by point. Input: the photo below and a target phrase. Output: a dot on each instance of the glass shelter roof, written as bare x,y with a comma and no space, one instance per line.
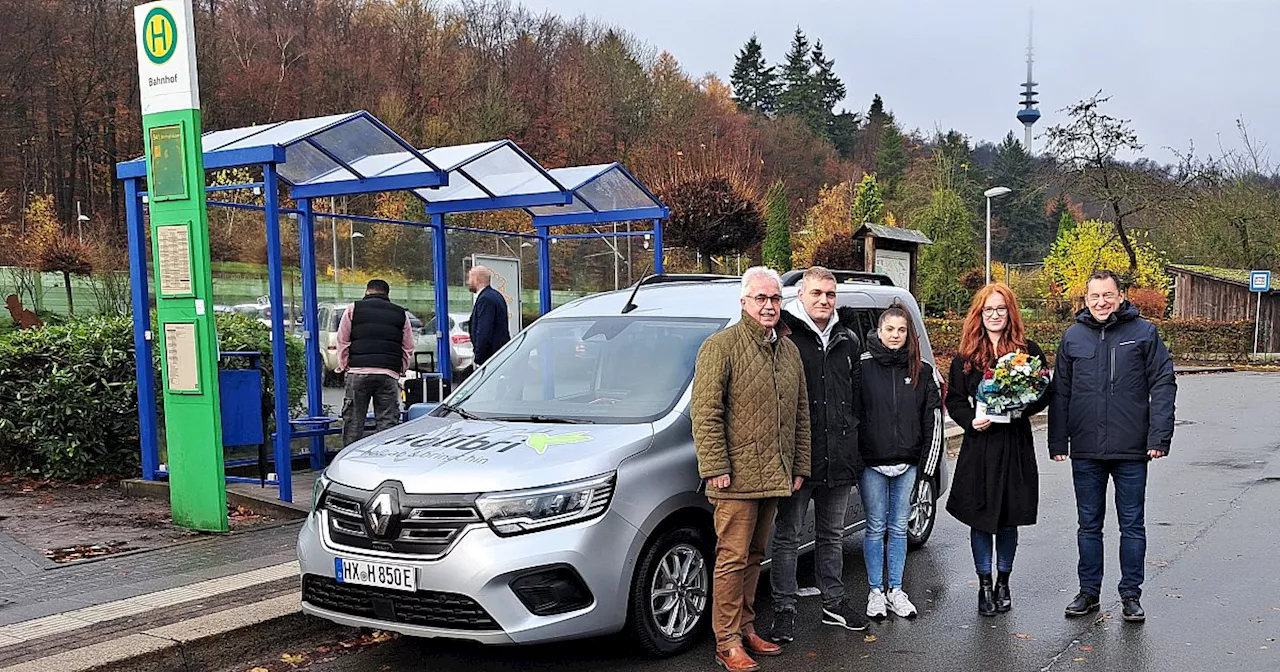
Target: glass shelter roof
322,156
601,193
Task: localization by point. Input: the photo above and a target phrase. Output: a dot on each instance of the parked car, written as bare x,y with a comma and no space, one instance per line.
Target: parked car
555,494
462,357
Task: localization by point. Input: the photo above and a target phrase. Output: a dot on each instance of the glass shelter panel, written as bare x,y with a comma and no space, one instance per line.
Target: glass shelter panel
615,191
355,140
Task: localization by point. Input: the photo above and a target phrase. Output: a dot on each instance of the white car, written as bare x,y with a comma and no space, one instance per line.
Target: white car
424,339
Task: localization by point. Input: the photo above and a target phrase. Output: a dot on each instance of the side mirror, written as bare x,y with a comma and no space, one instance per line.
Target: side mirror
418,410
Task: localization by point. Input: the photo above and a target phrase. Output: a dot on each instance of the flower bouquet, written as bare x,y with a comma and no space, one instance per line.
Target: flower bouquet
1016,381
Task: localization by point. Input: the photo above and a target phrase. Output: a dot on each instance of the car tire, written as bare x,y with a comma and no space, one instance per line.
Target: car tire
924,513
656,621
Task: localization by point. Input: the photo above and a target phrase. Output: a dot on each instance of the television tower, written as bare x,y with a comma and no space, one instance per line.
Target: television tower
1029,115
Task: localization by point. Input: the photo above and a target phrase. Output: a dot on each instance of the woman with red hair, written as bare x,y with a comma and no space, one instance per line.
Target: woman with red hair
996,487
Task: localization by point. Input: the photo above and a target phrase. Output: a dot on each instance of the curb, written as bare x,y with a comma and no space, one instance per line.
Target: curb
202,643
137,487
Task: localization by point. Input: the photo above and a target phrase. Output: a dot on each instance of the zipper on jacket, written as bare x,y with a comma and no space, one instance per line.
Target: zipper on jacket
1113,372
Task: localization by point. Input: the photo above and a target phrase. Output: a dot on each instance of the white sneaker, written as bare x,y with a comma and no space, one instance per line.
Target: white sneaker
876,604
899,604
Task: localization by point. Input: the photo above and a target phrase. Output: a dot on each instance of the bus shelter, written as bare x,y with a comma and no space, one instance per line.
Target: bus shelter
352,154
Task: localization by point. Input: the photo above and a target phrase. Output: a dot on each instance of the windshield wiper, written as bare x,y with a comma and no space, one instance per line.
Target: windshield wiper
458,410
543,418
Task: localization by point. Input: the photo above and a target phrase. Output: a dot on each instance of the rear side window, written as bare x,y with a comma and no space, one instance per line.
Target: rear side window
336,320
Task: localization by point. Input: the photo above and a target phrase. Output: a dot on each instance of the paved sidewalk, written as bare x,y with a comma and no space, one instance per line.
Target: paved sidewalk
47,609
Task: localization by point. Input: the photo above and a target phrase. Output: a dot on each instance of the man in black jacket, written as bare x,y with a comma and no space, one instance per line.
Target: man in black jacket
488,325
375,345
830,351
1113,412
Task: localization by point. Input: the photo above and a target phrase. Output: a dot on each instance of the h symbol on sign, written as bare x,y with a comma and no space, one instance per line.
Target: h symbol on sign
157,33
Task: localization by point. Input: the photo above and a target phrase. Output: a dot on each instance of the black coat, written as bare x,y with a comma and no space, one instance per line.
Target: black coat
832,378
1115,389
488,326
901,418
996,483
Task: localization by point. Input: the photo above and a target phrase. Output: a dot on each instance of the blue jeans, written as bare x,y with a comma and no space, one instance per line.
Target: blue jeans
1006,544
829,506
1130,477
887,502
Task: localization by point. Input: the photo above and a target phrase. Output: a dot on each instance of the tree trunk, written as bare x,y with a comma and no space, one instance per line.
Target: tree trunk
66,278
1128,248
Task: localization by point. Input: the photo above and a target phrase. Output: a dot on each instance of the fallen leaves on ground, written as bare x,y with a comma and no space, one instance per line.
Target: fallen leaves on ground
86,551
870,638
1077,660
1086,648
292,658
259,669
811,654
1022,635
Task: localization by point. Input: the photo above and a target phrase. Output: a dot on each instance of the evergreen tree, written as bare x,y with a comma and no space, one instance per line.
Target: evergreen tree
830,90
842,129
1061,215
867,146
777,237
755,84
891,160
800,96
1024,232
868,203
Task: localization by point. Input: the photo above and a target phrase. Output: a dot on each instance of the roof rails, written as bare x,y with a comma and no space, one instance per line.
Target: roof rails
661,278
791,278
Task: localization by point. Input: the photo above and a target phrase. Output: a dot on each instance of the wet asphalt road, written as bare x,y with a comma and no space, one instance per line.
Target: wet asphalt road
1212,592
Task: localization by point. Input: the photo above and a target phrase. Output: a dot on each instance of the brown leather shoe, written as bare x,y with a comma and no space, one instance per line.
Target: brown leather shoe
757,646
736,660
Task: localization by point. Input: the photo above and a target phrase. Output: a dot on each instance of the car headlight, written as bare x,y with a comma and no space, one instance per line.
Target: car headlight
540,508
322,484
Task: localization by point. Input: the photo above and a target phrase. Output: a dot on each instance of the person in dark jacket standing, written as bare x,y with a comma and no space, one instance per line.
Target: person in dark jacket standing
830,352
489,319
996,487
375,345
1112,413
900,440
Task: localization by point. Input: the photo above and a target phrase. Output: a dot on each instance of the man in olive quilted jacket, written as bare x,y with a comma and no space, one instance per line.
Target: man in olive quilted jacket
751,431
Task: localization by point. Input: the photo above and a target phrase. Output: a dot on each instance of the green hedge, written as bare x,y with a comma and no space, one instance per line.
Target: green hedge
68,393
1184,337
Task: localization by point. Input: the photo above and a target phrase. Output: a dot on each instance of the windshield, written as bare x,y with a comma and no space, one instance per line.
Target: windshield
612,370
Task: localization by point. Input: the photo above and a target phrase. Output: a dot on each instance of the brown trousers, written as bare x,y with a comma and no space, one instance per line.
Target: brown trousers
743,527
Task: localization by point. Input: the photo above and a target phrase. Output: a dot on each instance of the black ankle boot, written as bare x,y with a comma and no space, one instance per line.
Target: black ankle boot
986,596
1004,601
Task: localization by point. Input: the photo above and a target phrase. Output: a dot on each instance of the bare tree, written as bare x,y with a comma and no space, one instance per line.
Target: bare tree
1089,147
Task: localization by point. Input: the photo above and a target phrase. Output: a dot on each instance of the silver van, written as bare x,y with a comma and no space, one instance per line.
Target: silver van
555,494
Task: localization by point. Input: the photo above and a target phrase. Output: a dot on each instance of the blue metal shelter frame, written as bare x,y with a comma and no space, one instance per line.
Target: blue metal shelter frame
351,154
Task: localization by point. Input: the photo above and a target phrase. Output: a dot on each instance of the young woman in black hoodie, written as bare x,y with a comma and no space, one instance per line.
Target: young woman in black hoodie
900,421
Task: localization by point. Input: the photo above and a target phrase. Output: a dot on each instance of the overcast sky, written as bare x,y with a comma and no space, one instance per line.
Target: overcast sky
1182,70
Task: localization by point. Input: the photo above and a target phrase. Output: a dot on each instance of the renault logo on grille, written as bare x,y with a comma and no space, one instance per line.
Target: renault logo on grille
382,508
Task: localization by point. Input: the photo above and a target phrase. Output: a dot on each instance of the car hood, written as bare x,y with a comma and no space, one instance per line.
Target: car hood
450,455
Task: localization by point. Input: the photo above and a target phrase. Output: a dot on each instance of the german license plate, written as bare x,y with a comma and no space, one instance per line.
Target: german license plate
359,572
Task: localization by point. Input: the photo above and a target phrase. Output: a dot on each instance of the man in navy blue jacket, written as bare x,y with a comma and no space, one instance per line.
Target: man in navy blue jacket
1113,412
488,326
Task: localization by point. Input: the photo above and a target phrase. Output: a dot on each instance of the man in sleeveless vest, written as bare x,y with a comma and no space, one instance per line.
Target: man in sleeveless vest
375,346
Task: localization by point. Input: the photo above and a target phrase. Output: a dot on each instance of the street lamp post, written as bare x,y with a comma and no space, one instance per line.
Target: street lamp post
994,192
354,234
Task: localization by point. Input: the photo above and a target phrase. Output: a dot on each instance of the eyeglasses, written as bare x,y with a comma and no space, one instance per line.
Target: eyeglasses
999,310
761,299
1109,296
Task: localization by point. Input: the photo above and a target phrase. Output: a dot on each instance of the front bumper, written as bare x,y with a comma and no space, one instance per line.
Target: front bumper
479,568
